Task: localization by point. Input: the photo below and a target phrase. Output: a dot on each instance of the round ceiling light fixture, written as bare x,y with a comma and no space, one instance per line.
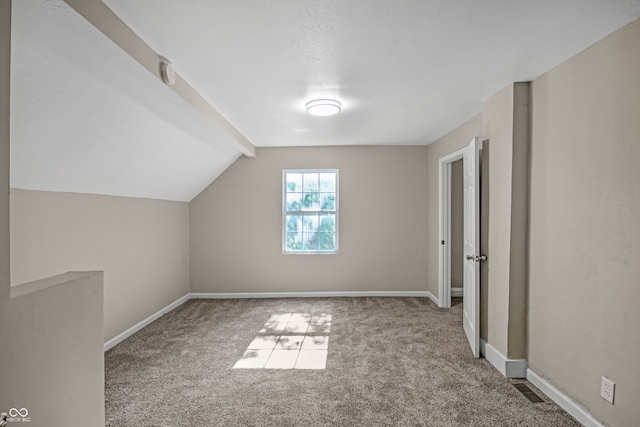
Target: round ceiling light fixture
323,107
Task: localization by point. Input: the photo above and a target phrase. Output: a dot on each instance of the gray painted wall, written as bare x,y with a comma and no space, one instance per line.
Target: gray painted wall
5,282
56,369
505,131
236,224
5,91
141,245
457,224
584,289
497,133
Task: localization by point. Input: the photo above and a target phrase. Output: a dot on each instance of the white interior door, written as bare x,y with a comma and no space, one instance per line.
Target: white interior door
471,283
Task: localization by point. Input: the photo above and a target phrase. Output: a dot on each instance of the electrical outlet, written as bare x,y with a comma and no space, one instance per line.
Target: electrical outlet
607,390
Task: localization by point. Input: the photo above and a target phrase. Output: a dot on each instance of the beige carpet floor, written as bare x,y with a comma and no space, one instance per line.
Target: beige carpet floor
357,362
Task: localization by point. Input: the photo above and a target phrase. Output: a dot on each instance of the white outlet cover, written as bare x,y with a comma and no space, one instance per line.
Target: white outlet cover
607,390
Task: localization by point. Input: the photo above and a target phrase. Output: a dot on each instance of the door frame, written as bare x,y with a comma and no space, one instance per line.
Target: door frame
444,270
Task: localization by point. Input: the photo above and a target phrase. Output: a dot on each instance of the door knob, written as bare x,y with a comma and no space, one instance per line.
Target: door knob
476,258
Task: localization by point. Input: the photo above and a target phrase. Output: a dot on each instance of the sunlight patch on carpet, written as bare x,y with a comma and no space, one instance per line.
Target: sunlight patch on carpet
289,341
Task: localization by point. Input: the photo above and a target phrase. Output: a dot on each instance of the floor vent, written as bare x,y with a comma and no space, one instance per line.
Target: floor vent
528,393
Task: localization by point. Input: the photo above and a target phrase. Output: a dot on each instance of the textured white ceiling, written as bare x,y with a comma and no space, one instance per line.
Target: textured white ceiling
87,118
407,71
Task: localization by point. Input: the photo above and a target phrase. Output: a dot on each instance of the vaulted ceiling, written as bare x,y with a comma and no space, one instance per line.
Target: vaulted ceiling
89,118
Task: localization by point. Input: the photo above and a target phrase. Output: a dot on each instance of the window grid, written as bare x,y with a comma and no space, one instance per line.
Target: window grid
310,211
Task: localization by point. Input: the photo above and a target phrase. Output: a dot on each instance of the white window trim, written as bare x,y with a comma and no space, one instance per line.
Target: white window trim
284,211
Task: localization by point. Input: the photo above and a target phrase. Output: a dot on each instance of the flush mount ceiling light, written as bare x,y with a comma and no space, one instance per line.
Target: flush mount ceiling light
323,107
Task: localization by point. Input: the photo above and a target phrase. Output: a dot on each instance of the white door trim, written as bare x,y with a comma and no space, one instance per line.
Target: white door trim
444,274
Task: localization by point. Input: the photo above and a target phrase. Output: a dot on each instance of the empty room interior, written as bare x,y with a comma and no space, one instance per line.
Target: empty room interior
320,213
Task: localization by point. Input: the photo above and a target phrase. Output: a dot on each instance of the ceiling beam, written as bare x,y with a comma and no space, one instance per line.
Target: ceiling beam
103,18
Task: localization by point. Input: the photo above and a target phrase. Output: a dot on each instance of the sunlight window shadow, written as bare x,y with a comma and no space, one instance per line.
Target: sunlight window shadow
289,341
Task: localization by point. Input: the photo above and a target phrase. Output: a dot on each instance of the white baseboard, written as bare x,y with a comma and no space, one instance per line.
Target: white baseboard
433,298
566,403
135,328
510,368
418,294
457,292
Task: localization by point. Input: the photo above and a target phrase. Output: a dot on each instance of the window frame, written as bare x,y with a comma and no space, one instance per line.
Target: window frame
285,212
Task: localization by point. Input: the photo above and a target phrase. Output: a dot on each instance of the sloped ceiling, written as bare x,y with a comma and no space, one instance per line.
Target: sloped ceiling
87,118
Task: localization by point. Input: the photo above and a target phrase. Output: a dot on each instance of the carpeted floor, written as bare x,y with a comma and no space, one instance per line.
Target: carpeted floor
390,362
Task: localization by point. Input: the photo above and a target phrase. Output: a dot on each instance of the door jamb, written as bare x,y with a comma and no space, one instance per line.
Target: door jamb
444,270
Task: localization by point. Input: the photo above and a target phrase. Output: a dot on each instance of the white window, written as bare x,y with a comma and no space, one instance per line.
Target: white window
310,211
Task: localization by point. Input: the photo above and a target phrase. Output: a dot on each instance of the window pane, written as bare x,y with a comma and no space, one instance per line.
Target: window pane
328,201
326,241
311,241
294,241
310,222
310,181
311,201
294,201
328,181
294,182
327,223
294,222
